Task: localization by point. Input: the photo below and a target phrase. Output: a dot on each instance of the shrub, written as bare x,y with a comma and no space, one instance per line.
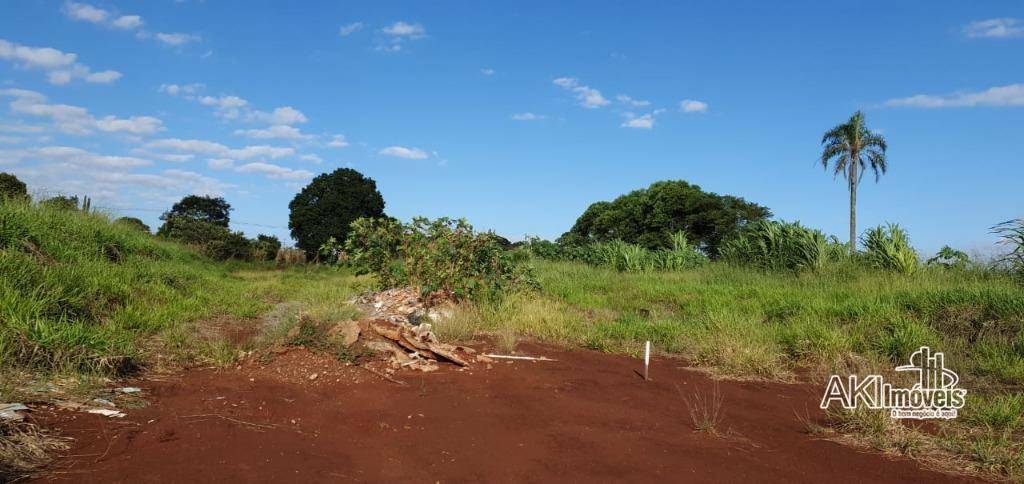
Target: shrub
329,204
212,239
888,247
1011,234
440,255
265,247
12,188
778,245
949,257
61,202
133,223
231,245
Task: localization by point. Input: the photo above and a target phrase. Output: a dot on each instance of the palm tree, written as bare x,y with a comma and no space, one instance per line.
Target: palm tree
851,146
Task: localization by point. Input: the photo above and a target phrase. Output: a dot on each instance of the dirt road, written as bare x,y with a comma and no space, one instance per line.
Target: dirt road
586,417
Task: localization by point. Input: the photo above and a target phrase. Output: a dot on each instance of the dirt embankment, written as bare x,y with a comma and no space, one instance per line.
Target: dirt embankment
585,417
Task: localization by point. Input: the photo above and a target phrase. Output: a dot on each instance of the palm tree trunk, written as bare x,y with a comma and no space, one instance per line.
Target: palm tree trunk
853,204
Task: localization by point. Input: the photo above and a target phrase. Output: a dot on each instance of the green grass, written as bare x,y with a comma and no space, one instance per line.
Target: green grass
749,323
79,294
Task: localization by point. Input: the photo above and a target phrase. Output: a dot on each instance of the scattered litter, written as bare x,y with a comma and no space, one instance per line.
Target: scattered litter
399,327
128,390
9,411
104,401
106,412
527,358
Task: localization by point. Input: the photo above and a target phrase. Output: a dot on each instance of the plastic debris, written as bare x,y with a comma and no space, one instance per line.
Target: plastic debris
9,411
128,390
106,412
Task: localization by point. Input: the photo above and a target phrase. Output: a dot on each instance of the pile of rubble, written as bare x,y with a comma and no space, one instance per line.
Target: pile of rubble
398,327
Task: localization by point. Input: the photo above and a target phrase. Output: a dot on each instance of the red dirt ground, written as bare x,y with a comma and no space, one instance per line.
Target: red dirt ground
586,417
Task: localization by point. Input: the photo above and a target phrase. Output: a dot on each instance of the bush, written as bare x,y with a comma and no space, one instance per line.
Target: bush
133,223
265,247
329,204
778,245
888,247
440,255
949,258
1011,234
212,239
12,188
61,202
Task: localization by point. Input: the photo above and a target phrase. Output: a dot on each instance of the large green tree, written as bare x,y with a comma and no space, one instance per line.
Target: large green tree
650,216
329,204
214,210
11,187
851,148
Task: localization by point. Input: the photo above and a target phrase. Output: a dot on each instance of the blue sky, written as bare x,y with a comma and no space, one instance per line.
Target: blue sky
518,115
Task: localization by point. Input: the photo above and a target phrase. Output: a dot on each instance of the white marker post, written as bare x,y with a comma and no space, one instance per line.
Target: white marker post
647,360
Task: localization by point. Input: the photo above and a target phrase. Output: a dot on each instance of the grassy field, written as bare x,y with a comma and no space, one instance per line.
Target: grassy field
81,297
743,323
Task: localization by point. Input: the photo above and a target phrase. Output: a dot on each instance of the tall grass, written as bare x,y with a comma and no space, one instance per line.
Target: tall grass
776,245
78,291
888,247
627,257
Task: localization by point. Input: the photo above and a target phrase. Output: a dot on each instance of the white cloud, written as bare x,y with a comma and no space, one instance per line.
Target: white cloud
60,67
312,158
337,141
282,115
487,71
188,145
693,106
182,89
398,33
90,13
622,98
176,158
402,29
133,125
77,157
104,77
220,163
1002,96
229,107
275,171
587,96
643,121
350,29
85,12
527,117
127,22
279,131
995,28
203,147
177,38
77,120
260,151
403,152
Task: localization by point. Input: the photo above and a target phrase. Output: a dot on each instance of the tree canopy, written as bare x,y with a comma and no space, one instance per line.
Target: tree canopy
214,210
329,204
11,187
134,223
650,216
